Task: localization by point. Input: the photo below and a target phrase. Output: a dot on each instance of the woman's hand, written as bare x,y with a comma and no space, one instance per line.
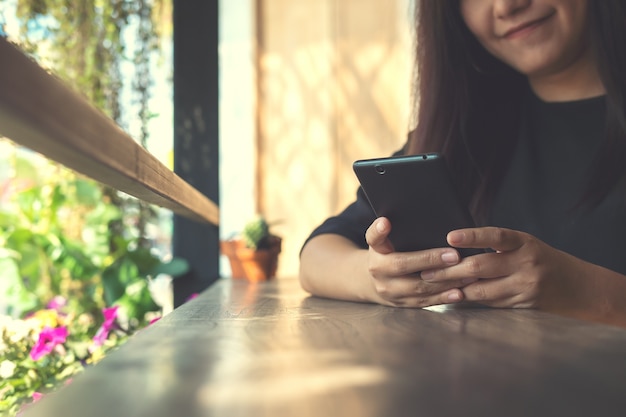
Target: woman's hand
522,272
396,275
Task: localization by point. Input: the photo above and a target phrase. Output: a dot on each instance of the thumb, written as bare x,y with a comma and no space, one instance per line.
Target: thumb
377,236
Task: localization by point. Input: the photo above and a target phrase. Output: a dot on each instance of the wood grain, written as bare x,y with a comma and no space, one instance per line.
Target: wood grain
271,350
40,112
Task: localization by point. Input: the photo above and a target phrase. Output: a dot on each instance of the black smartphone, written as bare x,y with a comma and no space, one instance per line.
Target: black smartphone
416,193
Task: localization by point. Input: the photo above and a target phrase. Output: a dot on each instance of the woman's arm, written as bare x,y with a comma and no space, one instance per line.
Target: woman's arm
601,296
334,267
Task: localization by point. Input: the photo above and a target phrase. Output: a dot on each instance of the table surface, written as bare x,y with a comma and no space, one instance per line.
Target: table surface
270,349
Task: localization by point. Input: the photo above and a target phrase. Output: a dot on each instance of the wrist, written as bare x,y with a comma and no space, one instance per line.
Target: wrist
365,287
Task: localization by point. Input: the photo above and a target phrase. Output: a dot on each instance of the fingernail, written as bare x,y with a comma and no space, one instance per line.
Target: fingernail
454,296
456,237
450,257
380,226
427,275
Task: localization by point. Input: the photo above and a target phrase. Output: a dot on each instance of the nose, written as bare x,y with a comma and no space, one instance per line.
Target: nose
507,8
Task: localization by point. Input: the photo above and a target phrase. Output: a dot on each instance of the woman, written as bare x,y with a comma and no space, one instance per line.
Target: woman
526,99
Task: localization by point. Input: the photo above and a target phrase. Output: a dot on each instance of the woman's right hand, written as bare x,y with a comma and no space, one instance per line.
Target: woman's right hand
396,275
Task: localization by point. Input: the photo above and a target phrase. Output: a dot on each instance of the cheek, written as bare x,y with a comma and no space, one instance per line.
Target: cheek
476,16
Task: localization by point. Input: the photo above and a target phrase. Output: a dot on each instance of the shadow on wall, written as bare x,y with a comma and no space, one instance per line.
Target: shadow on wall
334,79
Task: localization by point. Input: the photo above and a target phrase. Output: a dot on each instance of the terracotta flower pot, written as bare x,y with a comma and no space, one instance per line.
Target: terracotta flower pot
250,264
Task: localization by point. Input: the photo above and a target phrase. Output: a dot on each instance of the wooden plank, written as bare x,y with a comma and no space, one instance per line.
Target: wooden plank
271,350
38,111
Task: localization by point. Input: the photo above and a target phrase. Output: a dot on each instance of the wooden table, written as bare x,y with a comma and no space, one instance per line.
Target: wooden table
272,350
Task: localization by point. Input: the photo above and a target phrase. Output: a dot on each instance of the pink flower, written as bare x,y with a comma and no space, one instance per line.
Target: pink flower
154,320
13,186
110,314
48,340
191,297
37,396
57,303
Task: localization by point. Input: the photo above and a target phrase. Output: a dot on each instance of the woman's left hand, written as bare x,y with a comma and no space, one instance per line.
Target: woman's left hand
523,271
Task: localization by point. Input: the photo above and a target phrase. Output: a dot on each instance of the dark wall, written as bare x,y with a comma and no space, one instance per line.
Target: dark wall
196,156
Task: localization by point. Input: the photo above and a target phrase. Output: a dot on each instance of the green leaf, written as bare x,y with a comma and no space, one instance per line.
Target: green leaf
26,169
144,259
8,220
14,294
19,237
174,268
75,259
117,278
87,192
137,300
113,288
57,199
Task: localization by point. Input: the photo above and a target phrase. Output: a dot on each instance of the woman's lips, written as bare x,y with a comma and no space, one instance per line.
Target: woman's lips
525,28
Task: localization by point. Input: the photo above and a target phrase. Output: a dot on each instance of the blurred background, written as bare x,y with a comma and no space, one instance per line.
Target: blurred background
307,87
304,88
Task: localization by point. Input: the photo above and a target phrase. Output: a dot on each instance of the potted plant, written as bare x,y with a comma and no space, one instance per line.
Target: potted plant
253,254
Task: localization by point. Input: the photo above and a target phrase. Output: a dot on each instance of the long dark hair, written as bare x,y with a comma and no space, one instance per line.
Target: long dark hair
467,103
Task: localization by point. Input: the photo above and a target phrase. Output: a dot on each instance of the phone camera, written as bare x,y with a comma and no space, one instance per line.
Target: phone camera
380,169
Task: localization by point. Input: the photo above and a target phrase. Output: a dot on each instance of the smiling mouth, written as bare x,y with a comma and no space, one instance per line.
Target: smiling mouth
525,28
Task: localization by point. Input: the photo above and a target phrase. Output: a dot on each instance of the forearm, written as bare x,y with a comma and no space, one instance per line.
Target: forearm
595,293
334,267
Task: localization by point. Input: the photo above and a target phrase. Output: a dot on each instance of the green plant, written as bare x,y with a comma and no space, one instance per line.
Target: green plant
56,240
56,243
256,233
45,350
104,50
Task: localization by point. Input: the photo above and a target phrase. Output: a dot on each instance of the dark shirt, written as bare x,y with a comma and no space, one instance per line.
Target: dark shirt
541,191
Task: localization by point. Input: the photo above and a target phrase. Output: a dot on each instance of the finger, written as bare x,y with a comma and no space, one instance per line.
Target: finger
413,292
377,234
407,264
505,292
472,268
448,297
496,238
453,296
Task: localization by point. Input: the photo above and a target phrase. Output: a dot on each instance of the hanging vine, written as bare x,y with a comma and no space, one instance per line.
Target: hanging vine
142,84
85,42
